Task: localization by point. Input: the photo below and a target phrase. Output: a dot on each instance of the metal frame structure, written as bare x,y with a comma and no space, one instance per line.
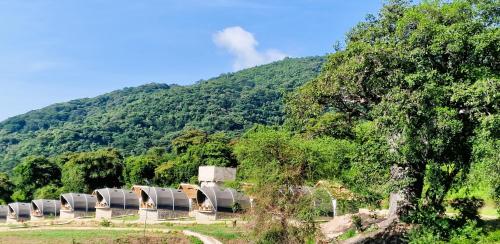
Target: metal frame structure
45,207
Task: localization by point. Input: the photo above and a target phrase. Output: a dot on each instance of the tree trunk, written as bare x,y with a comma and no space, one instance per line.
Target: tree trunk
410,183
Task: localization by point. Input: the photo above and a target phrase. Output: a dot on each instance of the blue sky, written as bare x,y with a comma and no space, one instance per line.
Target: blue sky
55,51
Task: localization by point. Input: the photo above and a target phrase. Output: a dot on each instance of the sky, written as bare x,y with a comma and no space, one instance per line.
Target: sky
58,50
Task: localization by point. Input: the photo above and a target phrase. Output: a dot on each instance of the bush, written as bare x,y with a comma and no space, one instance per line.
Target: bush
347,206
356,222
468,208
274,235
105,223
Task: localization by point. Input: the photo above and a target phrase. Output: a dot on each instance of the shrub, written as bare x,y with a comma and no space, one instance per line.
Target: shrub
273,235
105,223
356,222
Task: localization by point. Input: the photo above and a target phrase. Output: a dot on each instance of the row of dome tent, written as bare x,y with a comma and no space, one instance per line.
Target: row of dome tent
208,201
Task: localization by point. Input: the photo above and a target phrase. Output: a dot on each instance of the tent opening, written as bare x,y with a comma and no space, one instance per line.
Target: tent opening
144,197
99,196
35,209
65,204
203,202
34,206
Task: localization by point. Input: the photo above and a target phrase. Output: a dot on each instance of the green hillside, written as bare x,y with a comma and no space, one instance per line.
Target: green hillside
135,119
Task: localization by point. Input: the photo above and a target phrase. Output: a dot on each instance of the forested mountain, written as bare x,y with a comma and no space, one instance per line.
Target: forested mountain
135,119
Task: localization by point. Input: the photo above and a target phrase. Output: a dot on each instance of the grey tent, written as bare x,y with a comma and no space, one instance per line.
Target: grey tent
74,205
43,207
214,198
116,198
4,210
161,203
18,211
115,202
162,198
78,202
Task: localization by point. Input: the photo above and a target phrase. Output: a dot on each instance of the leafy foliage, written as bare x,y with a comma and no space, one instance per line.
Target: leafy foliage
425,76
277,162
32,174
192,149
87,171
135,119
6,188
140,170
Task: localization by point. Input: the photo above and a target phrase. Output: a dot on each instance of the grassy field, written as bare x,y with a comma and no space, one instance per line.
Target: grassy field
91,236
221,232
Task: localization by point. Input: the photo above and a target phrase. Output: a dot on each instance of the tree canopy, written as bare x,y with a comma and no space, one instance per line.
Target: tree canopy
427,77
133,120
87,171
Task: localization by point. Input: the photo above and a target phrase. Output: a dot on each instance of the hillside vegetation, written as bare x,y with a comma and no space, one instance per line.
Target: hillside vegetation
135,119
405,116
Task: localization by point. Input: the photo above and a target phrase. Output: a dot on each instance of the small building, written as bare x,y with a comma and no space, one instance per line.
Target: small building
4,211
18,212
157,203
42,208
115,202
75,205
216,174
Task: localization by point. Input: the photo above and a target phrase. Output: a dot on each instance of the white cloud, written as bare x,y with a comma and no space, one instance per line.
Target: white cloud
242,44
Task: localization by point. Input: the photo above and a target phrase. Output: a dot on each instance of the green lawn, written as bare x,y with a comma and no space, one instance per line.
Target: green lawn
90,236
221,232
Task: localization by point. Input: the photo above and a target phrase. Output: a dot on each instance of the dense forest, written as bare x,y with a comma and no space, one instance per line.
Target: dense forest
404,116
135,119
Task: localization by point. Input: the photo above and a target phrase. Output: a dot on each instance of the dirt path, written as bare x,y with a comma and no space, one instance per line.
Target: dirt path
205,239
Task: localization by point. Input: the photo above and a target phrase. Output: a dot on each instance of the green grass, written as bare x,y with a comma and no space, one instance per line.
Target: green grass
128,218
221,232
480,191
61,236
194,240
346,235
86,236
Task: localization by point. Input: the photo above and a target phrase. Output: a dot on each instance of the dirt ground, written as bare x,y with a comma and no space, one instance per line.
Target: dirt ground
341,224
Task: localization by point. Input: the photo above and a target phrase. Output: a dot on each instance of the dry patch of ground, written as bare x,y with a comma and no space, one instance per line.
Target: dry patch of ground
342,224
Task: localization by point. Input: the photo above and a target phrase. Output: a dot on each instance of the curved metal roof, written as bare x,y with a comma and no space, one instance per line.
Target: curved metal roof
162,198
116,198
215,198
4,210
19,210
78,202
42,207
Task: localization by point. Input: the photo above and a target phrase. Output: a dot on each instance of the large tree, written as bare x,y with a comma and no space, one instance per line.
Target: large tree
140,170
5,188
427,76
276,162
33,173
191,149
87,171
